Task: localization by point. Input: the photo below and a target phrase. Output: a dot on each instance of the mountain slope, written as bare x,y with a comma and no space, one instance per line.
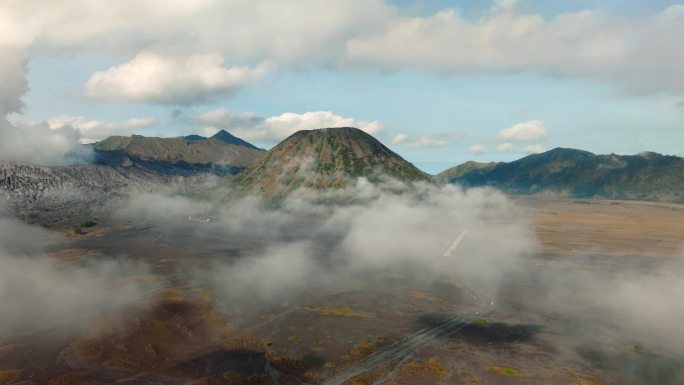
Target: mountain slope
222,152
225,137
123,165
55,195
452,174
647,176
324,158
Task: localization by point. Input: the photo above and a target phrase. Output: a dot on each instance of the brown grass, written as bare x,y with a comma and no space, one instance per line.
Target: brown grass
423,296
346,311
9,376
504,370
432,367
607,227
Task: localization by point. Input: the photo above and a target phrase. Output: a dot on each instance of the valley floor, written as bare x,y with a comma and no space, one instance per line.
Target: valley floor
438,329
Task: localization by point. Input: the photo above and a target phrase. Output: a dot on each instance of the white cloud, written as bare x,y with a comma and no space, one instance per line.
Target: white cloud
165,79
39,144
636,54
426,141
94,130
525,131
423,142
275,128
533,149
477,149
35,143
286,32
13,63
504,147
399,139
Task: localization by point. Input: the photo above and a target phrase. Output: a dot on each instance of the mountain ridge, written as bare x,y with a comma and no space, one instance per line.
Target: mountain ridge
221,151
582,174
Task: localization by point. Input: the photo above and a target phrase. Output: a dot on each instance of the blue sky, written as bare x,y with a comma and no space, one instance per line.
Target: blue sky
449,110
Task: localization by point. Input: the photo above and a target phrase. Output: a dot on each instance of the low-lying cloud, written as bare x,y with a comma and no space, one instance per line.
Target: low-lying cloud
311,238
313,243
37,293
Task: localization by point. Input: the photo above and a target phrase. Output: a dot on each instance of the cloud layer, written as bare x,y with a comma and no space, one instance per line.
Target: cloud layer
589,44
37,293
635,54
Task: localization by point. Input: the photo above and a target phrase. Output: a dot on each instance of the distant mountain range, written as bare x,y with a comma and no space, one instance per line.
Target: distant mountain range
316,159
121,165
576,173
324,158
222,153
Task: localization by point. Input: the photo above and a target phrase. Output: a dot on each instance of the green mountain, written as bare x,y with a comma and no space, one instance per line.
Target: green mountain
225,137
222,151
323,158
645,176
456,172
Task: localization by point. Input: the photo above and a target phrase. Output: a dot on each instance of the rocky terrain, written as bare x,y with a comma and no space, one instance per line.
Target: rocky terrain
52,194
58,194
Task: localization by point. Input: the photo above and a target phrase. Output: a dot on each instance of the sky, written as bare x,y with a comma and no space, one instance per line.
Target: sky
439,82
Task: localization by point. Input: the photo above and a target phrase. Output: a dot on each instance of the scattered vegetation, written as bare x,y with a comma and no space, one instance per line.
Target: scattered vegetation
431,367
294,367
367,378
639,348
363,349
506,371
423,296
346,311
480,322
84,225
233,377
9,376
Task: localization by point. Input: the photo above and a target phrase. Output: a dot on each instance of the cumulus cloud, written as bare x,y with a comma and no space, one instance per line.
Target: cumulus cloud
237,29
29,142
275,128
533,149
587,44
39,144
167,79
400,139
477,149
504,147
525,131
94,130
584,44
